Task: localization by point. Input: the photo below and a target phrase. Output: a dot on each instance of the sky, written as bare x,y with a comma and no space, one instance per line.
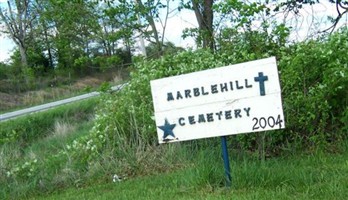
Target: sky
310,20
6,45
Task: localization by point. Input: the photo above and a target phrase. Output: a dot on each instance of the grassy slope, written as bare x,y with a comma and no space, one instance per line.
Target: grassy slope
41,136
317,176
302,176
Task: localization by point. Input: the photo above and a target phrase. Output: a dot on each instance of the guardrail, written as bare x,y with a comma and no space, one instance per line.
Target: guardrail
43,107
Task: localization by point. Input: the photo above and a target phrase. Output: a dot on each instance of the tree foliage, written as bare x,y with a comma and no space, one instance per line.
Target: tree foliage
71,34
18,18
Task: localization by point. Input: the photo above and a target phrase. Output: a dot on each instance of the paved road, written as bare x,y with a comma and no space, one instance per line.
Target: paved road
14,114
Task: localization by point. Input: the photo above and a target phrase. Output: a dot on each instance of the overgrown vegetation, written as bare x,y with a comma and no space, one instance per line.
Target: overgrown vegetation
123,139
29,146
65,147
314,88
315,84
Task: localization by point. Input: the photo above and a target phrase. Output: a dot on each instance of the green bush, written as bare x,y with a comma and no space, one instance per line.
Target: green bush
314,79
314,88
130,112
4,70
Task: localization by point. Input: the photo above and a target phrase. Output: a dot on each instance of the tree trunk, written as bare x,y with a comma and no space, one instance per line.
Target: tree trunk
23,54
204,15
50,57
157,40
48,46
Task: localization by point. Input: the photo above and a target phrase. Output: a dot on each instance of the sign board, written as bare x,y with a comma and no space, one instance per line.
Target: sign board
229,100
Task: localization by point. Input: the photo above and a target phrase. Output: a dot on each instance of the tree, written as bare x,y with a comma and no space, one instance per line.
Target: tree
342,9
118,22
212,15
141,17
68,29
204,14
295,6
148,13
43,29
18,19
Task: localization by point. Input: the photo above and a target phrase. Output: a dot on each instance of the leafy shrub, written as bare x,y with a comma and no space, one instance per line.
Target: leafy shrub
314,88
127,117
4,70
315,84
124,130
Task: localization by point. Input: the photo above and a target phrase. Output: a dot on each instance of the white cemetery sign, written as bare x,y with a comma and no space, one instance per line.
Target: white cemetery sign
229,100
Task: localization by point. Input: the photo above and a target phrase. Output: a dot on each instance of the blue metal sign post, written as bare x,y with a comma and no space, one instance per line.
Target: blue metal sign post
226,161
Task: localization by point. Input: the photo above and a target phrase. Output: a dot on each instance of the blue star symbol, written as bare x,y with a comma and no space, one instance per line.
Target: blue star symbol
167,129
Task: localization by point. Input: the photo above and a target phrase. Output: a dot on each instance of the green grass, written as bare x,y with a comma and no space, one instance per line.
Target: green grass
47,169
303,176
31,145
188,170
28,128
54,142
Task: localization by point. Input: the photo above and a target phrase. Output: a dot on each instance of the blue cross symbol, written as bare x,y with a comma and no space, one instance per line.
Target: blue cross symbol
261,79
